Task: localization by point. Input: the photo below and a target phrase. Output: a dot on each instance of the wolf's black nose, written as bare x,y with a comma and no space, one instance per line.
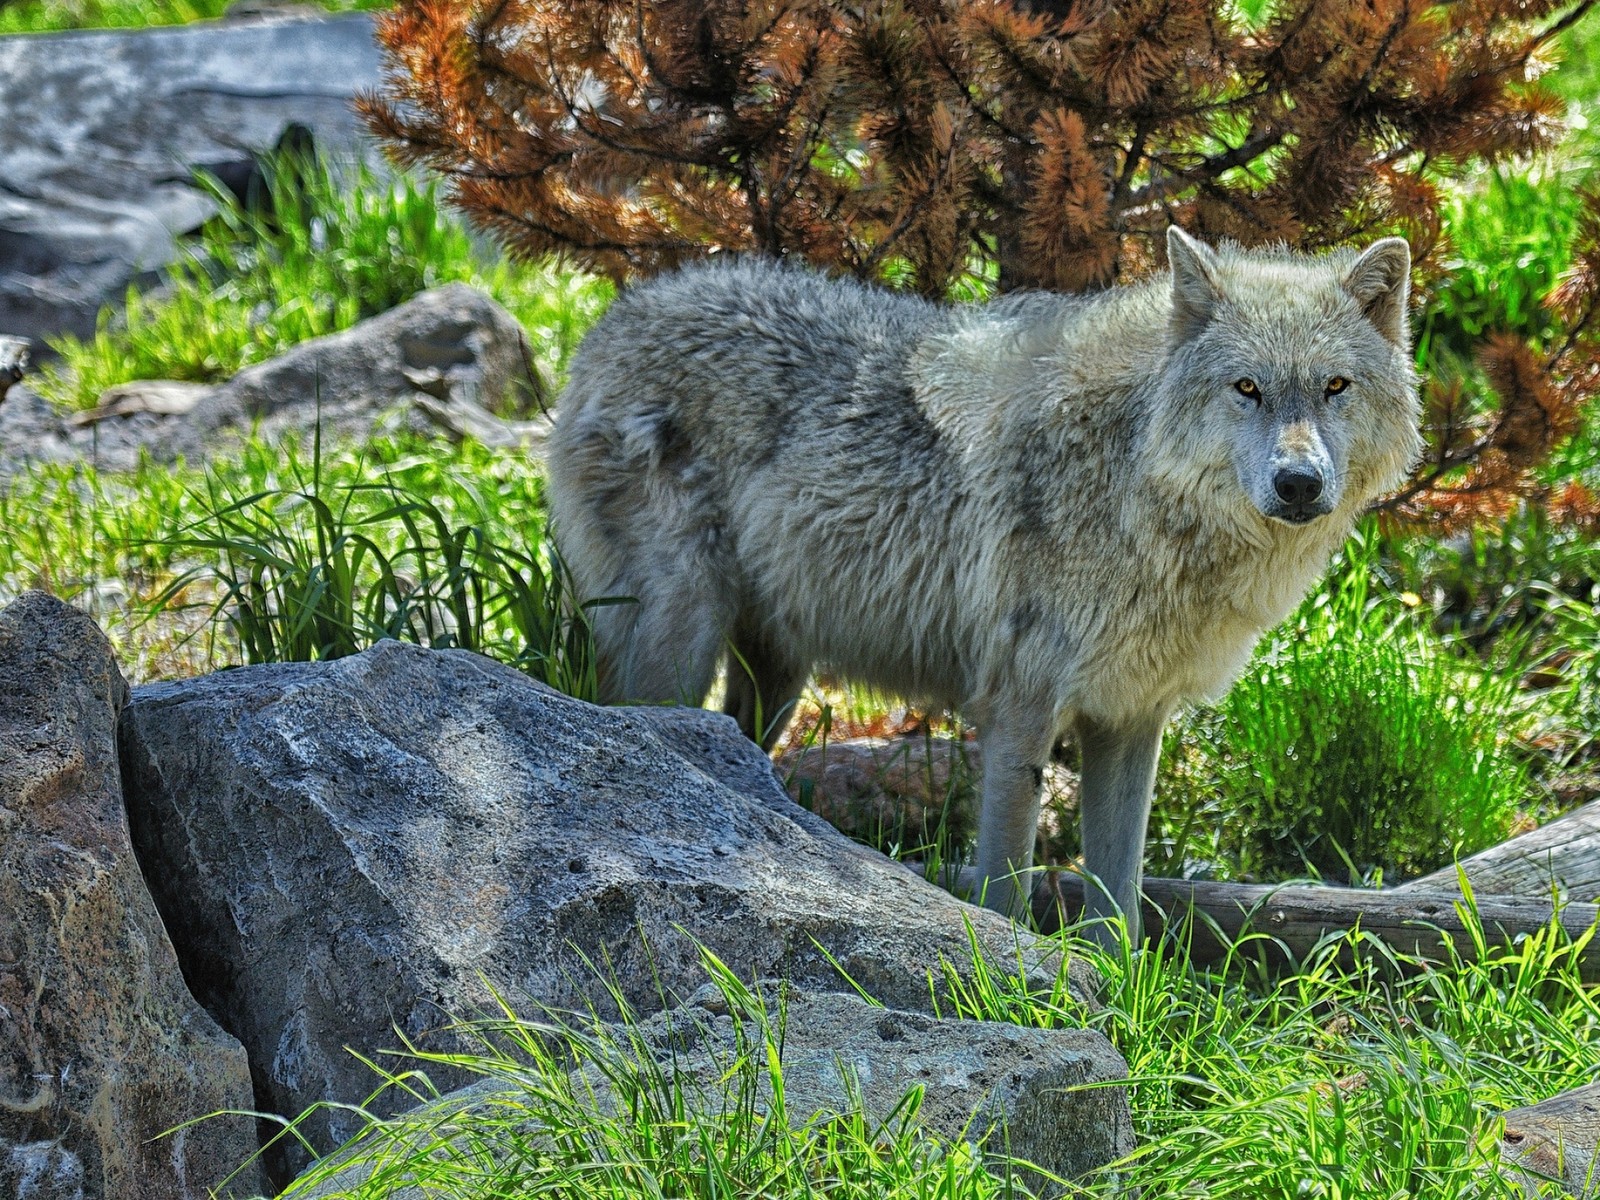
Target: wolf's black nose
1297,487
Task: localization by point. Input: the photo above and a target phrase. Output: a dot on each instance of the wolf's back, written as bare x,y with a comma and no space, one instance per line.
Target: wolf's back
750,344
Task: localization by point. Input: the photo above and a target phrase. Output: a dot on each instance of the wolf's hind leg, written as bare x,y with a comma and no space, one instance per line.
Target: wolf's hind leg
670,651
763,685
1119,771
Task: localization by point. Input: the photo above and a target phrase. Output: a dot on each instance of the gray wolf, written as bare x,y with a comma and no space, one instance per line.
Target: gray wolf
1058,515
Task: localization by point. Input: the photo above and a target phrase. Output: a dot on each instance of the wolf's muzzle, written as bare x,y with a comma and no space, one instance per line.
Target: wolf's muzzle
1299,493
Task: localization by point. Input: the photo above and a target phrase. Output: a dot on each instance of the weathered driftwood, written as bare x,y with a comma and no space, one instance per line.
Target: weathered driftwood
1565,852
1295,919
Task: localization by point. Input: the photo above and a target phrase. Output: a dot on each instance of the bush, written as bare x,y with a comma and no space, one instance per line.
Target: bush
1355,746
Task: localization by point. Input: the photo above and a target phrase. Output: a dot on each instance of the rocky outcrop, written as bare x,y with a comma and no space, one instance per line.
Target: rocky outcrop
1040,1095
102,1048
445,358
346,849
101,132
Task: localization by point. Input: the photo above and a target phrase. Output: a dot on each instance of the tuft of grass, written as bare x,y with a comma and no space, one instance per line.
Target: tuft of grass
320,559
1356,745
317,252
162,556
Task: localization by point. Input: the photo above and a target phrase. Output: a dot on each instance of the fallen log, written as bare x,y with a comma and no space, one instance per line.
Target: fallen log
1294,919
1564,854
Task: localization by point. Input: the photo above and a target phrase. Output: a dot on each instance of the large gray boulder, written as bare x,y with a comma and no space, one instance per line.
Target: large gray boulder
102,1048
1047,1096
100,133
342,850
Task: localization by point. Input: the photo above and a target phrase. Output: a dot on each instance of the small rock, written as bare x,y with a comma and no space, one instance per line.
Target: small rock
1555,1139
911,791
978,1077
463,345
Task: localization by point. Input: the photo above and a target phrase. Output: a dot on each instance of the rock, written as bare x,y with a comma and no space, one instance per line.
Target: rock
979,1077
31,431
911,790
451,342
1027,1092
102,1049
437,359
348,847
1555,1139
101,132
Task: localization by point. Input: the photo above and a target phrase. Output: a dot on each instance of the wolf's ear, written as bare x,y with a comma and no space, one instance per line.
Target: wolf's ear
1380,281
1194,282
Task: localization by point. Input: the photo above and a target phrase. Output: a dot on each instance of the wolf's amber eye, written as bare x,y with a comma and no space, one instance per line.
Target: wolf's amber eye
1247,387
1337,384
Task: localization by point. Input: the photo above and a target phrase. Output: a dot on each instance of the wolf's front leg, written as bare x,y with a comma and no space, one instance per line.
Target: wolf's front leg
1119,772
1016,748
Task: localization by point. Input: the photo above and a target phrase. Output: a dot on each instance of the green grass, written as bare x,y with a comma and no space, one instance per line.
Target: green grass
319,558
582,1110
330,249
1509,231
1356,746
1357,1077
41,16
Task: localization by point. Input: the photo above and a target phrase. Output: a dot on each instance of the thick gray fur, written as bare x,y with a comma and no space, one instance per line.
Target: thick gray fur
1054,514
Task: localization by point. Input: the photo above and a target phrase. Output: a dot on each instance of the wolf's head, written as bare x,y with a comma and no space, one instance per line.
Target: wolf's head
1289,375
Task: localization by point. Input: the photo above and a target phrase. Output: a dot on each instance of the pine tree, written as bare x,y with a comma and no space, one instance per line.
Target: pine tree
933,144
